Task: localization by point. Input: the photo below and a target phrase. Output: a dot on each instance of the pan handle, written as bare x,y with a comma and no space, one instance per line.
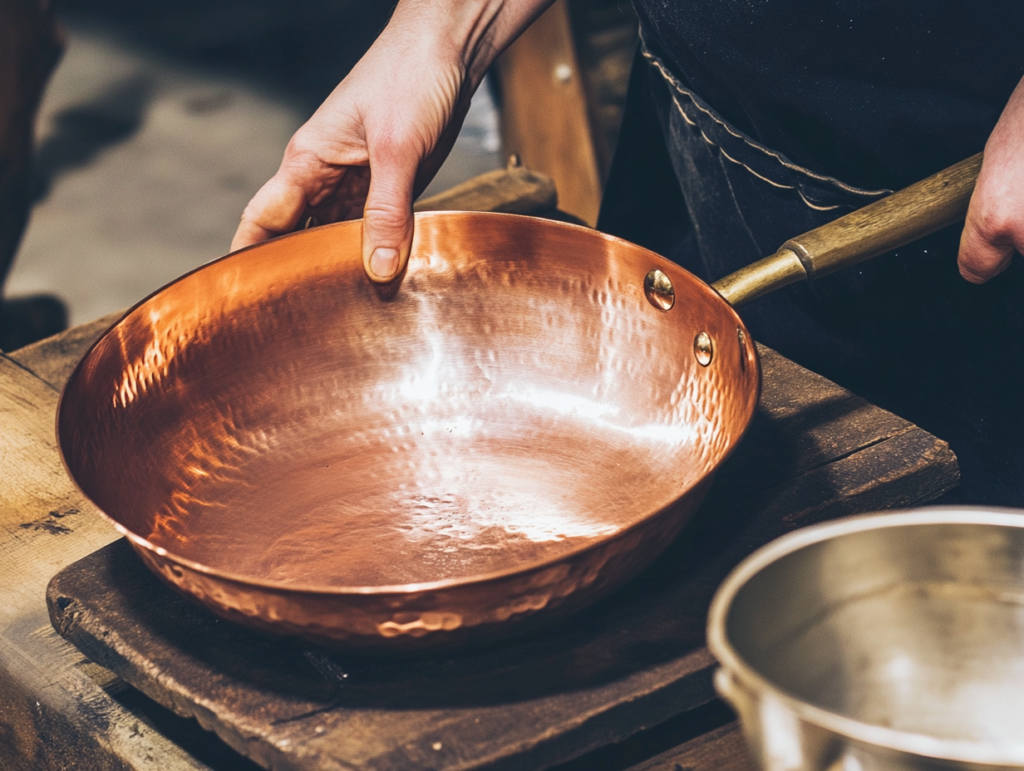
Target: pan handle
882,226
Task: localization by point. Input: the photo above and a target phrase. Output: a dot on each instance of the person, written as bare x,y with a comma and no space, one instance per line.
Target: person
30,47
747,123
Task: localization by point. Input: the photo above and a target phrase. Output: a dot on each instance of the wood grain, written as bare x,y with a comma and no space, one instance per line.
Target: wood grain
516,189
722,749
910,214
880,227
544,115
54,709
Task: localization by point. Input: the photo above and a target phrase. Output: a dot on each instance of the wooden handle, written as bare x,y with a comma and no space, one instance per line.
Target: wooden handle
515,189
882,226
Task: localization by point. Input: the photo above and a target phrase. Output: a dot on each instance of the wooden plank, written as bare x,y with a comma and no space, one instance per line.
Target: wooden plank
54,709
515,189
606,33
722,749
544,114
54,358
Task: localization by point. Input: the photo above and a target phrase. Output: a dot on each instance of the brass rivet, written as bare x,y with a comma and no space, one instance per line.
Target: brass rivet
742,338
659,290
703,348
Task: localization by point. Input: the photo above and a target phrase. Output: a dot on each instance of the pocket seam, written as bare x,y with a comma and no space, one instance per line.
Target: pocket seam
777,157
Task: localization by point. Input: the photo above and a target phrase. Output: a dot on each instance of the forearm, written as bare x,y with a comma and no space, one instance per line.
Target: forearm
473,33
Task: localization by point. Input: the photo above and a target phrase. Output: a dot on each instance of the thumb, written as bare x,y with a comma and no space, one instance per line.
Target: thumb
982,255
387,218
275,209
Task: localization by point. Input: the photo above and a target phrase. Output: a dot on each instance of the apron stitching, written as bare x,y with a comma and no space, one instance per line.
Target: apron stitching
761,177
799,192
740,163
816,206
668,76
686,117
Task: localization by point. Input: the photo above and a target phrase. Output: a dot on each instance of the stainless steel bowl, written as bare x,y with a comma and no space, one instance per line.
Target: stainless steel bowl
889,641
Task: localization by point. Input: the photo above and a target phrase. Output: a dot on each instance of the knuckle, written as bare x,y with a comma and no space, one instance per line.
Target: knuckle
991,225
300,145
386,217
993,220
395,145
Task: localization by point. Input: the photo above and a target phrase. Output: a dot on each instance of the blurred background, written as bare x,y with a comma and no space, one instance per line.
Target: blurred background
163,119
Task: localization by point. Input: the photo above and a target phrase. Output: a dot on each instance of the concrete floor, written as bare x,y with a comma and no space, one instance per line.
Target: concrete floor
160,124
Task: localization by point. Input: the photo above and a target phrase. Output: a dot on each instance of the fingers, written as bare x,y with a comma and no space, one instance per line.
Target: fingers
275,209
387,216
986,245
995,218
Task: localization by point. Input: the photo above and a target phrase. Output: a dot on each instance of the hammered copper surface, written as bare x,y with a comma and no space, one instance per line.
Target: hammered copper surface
515,433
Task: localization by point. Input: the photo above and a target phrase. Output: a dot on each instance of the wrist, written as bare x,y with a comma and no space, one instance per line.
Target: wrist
467,34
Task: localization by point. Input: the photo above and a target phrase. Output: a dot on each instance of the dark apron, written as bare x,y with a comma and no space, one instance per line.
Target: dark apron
904,330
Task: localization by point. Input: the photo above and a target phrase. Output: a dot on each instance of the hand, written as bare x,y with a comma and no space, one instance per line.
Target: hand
383,133
389,116
995,219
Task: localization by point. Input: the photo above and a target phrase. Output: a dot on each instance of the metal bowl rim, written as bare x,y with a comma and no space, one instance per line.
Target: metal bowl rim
443,584
957,750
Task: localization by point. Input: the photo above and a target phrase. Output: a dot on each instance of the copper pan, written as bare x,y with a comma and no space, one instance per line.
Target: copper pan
522,427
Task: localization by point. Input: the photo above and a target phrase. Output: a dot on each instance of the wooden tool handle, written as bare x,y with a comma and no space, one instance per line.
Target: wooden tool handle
902,217
514,189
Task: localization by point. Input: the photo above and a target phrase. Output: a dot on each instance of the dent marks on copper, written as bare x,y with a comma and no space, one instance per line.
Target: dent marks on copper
436,619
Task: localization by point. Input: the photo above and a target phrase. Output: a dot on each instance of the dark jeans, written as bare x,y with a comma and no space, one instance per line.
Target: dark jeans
904,330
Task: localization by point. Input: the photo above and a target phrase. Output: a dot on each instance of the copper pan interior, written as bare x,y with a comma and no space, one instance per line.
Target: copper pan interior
270,418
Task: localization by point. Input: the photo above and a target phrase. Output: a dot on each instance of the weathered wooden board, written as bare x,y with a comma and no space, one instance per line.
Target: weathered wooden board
54,358
814,452
516,189
54,709
544,116
722,749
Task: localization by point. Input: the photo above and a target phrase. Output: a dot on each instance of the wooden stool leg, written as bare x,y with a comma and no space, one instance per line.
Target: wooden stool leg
30,47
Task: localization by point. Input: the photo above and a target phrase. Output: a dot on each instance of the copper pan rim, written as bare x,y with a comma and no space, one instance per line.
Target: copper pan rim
656,261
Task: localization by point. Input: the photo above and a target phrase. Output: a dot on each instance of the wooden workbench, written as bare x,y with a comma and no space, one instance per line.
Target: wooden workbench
814,452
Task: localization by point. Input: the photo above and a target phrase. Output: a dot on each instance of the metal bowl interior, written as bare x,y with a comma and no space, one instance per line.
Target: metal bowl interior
270,419
903,632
